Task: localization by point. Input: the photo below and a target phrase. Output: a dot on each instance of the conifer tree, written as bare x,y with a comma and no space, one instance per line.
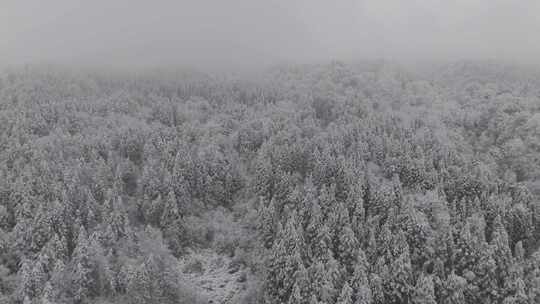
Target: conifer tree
315,220
119,221
454,290
309,199
91,219
363,294
26,282
56,248
296,295
377,288
154,209
41,228
48,294
303,284
384,244
360,281
424,292
345,297
145,285
321,283
82,268
321,244
468,249
170,211
266,221
502,253
399,244
372,249
284,263
172,225
327,291
355,202
335,271
483,284
327,200
533,287
347,248
519,252
57,274
515,290
398,286
39,274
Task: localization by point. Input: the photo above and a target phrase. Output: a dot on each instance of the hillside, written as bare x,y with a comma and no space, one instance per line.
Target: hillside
331,183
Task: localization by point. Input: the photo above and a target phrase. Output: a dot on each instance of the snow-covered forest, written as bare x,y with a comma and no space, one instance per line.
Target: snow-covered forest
336,183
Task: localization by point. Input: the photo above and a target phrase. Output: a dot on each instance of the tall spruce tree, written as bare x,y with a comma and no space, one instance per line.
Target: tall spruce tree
83,281
424,291
345,297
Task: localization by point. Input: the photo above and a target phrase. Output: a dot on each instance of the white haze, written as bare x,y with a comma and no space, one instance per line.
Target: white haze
253,33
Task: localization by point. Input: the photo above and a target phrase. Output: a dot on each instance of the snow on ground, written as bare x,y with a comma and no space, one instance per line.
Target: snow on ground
215,277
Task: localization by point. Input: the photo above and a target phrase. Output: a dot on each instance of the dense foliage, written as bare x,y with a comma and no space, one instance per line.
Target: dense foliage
336,183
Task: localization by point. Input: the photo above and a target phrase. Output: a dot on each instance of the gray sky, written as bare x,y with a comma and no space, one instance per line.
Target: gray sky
227,33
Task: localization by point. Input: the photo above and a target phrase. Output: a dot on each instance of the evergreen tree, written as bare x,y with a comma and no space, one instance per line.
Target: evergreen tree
321,244
327,200
82,268
372,249
384,244
296,295
41,228
39,274
335,271
424,292
360,281
398,287
284,263
48,294
26,281
172,225
377,288
533,288
345,297
321,282
303,283
154,210
145,285
56,248
347,248
119,221
519,252
309,199
363,295
358,219
327,291
58,274
502,253
266,222
338,218
514,291
355,202
483,282
315,220
91,219
454,290
469,247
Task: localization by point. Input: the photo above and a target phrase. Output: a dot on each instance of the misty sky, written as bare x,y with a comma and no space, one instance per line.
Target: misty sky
255,32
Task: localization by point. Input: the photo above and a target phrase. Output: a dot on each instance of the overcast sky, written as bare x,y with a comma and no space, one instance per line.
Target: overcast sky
254,32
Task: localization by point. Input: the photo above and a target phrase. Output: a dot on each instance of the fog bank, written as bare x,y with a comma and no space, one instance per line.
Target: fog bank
253,33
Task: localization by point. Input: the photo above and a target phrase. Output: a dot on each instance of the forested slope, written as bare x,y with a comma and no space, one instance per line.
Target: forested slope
335,183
